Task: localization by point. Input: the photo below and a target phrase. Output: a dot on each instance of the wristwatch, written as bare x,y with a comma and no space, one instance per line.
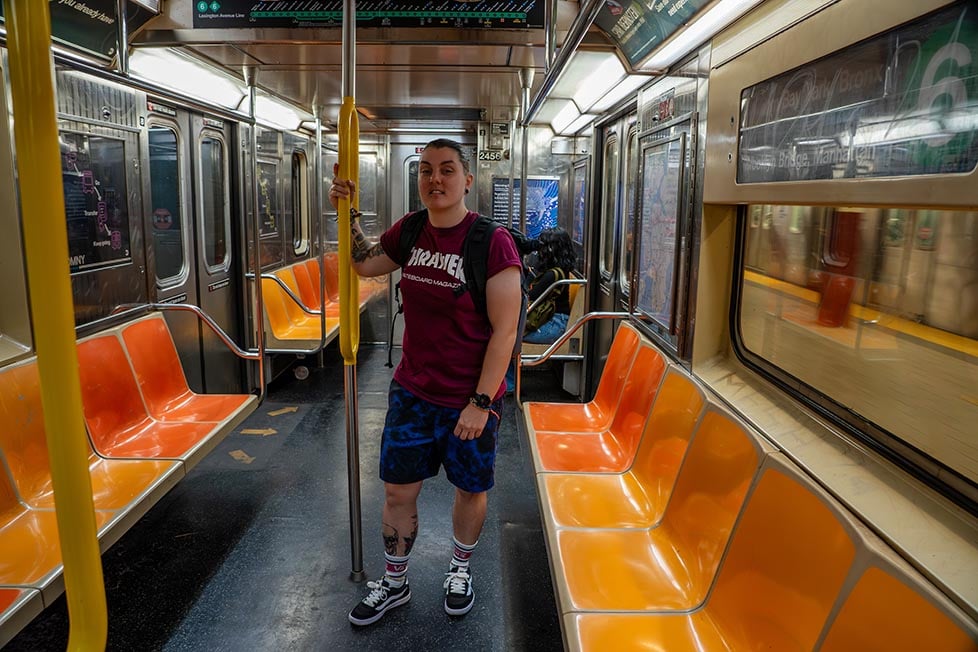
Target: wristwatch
481,401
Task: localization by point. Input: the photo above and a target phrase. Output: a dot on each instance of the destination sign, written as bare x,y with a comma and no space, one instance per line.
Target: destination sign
229,14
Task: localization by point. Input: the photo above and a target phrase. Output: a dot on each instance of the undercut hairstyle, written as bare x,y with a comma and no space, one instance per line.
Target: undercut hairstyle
448,143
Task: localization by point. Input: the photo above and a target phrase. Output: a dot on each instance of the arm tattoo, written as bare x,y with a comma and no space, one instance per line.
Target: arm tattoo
359,247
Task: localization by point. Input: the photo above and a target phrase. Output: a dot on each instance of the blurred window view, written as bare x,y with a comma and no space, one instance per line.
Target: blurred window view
862,304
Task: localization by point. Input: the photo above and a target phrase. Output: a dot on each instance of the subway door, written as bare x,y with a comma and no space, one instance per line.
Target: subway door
218,288
169,222
604,265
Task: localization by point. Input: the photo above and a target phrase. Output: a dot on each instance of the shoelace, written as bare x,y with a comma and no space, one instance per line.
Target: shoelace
377,594
457,581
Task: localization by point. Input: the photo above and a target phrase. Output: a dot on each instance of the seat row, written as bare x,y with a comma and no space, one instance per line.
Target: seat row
294,299
672,525
146,429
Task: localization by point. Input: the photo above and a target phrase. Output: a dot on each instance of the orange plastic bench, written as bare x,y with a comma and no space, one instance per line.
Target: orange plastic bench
307,278
634,498
18,607
161,379
599,412
893,608
117,485
611,449
369,287
669,567
287,322
118,421
789,556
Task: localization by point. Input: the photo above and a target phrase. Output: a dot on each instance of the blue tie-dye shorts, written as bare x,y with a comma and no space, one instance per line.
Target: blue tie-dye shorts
418,439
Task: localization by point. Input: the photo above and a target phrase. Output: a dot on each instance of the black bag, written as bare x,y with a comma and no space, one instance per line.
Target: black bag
544,311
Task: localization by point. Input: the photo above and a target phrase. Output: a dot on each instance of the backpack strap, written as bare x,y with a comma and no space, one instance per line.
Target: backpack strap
475,259
411,227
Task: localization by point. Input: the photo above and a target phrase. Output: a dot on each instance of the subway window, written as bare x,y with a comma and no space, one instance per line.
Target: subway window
859,304
169,230
300,203
609,203
215,212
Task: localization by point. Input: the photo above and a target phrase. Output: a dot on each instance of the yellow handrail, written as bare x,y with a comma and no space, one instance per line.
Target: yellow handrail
42,205
349,155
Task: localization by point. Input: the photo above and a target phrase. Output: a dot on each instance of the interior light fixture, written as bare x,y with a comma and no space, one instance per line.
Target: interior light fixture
186,76
275,113
599,81
625,87
582,121
567,114
701,29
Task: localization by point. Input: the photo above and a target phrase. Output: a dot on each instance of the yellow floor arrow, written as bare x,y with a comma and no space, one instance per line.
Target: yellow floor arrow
242,456
264,432
285,410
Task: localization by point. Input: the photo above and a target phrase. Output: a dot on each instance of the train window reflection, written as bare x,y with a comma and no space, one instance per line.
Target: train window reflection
168,217
609,203
300,203
860,304
214,203
631,203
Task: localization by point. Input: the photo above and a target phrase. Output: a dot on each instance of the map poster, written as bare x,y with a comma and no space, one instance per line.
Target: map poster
541,203
93,172
662,164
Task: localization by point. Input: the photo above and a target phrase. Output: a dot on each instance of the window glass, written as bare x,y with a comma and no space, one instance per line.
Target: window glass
215,218
168,225
631,202
860,304
300,203
609,203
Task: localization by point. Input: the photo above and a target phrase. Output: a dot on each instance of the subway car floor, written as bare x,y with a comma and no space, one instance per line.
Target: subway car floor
252,550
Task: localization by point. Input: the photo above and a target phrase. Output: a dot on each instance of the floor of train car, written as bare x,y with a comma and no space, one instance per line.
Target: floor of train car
251,551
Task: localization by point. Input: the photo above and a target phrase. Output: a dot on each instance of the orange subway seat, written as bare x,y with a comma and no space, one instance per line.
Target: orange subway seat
884,612
117,419
18,607
597,414
613,449
29,540
115,483
671,566
299,317
367,287
636,497
307,278
789,556
279,320
160,376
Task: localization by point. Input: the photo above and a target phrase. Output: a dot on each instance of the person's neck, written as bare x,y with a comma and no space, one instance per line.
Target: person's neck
448,218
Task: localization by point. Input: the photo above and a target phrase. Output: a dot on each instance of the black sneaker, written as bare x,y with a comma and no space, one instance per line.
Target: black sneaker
459,597
382,597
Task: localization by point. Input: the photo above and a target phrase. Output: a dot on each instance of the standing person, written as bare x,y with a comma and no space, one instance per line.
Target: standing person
446,395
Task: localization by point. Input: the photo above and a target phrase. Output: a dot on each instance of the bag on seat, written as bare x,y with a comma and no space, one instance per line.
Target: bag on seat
543,311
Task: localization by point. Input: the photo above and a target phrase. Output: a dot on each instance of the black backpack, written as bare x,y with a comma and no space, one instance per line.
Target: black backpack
475,258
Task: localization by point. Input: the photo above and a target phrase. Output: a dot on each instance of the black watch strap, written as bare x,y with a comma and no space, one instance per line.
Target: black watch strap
481,401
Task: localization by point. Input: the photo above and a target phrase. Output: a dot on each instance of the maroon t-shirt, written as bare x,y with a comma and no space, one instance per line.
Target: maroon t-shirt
445,337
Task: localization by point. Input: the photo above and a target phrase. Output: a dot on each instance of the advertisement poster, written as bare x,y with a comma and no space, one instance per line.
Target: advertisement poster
541,203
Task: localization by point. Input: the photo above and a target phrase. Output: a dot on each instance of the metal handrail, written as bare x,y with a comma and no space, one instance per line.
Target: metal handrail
563,281
292,295
244,354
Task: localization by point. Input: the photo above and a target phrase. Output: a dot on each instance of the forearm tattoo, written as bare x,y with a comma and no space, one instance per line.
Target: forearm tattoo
392,537
359,247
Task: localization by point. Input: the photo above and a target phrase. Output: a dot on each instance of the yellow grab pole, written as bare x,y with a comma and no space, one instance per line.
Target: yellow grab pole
349,136
42,206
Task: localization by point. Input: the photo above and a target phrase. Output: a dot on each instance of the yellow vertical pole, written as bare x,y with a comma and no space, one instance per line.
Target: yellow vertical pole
349,133
42,206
